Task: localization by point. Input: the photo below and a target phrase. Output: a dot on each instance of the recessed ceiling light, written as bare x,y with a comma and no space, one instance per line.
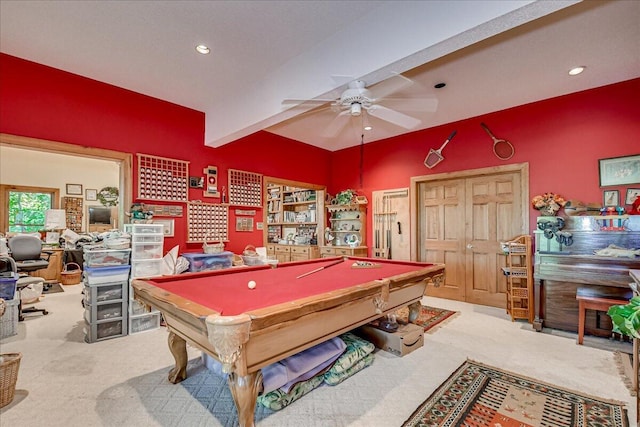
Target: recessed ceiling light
576,70
202,49
368,127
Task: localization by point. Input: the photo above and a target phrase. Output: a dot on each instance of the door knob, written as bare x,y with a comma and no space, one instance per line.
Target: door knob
469,246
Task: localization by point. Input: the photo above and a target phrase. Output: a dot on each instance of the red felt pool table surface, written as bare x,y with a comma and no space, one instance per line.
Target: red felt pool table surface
227,291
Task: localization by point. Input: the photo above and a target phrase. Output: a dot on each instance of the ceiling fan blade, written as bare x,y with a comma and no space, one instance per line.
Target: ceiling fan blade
391,85
337,124
412,104
393,116
304,101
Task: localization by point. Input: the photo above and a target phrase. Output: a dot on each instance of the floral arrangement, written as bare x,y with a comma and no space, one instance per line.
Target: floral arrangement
548,203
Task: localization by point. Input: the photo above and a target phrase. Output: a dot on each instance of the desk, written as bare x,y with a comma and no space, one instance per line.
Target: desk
247,329
52,272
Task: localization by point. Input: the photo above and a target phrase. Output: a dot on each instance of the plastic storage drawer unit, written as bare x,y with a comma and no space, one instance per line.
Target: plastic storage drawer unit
204,262
146,251
96,276
144,228
147,268
106,311
104,330
94,294
144,322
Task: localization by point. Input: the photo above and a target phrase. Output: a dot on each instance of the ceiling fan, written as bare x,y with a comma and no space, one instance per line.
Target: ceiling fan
358,100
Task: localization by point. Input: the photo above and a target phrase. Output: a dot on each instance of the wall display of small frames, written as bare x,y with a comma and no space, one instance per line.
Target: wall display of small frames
162,179
245,188
207,221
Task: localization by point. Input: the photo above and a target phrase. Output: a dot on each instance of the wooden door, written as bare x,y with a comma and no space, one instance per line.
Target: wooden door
442,234
461,218
492,215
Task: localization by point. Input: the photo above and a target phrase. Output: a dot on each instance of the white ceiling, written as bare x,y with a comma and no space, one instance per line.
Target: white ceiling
492,54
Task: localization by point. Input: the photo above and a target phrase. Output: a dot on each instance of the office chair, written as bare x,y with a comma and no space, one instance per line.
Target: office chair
26,251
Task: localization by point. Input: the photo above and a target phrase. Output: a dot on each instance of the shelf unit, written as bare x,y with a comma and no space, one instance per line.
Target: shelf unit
293,217
105,306
519,276
348,227
147,244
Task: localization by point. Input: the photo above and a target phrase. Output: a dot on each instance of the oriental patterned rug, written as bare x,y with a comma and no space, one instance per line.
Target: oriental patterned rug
428,317
479,395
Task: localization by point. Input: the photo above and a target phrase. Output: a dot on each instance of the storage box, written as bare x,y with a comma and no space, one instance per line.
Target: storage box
403,341
9,320
106,257
203,262
98,275
8,285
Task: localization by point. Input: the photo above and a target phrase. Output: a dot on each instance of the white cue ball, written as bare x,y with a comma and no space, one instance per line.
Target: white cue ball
251,284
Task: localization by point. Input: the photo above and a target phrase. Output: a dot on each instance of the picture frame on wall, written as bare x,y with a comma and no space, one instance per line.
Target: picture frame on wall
632,193
167,226
611,198
74,189
619,170
91,194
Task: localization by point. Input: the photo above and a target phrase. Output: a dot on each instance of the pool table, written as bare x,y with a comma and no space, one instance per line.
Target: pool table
292,307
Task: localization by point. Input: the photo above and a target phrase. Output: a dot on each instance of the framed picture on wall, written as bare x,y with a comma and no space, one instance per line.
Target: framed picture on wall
632,193
611,198
91,194
619,171
74,189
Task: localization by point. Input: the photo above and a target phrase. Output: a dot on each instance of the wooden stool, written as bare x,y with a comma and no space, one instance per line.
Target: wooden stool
593,299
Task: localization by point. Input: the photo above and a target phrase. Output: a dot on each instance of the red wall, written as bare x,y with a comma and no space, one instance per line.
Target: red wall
561,139
42,102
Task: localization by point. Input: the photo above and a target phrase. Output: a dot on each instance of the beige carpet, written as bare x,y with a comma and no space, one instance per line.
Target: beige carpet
64,381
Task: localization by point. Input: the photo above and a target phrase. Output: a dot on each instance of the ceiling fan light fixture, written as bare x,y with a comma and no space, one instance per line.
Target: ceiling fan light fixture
577,70
203,49
356,109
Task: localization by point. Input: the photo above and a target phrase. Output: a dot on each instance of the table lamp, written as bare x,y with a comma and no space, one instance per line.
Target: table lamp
54,221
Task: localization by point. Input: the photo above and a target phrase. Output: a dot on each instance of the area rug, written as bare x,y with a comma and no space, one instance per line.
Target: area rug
624,362
428,317
479,395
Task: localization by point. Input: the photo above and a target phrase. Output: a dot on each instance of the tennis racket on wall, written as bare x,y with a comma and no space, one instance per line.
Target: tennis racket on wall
435,156
501,147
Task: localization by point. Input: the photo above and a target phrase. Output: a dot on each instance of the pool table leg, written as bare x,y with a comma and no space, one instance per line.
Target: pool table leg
178,348
414,311
244,390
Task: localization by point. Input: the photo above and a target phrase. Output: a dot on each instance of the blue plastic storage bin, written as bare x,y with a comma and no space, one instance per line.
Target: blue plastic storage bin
8,285
204,262
98,275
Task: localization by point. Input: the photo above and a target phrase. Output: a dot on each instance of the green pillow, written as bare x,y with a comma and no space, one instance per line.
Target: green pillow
278,399
333,378
357,348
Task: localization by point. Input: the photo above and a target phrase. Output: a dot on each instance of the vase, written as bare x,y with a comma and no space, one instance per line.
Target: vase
548,212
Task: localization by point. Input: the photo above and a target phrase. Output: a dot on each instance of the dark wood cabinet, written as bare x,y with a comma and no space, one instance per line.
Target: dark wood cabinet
560,268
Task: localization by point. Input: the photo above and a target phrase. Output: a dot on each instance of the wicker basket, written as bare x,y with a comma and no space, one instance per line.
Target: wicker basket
70,276
8,377
250,256
215,247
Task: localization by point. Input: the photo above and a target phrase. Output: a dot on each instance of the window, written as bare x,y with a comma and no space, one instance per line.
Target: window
24,207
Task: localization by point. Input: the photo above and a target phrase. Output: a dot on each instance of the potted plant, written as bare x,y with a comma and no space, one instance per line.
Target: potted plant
626,318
